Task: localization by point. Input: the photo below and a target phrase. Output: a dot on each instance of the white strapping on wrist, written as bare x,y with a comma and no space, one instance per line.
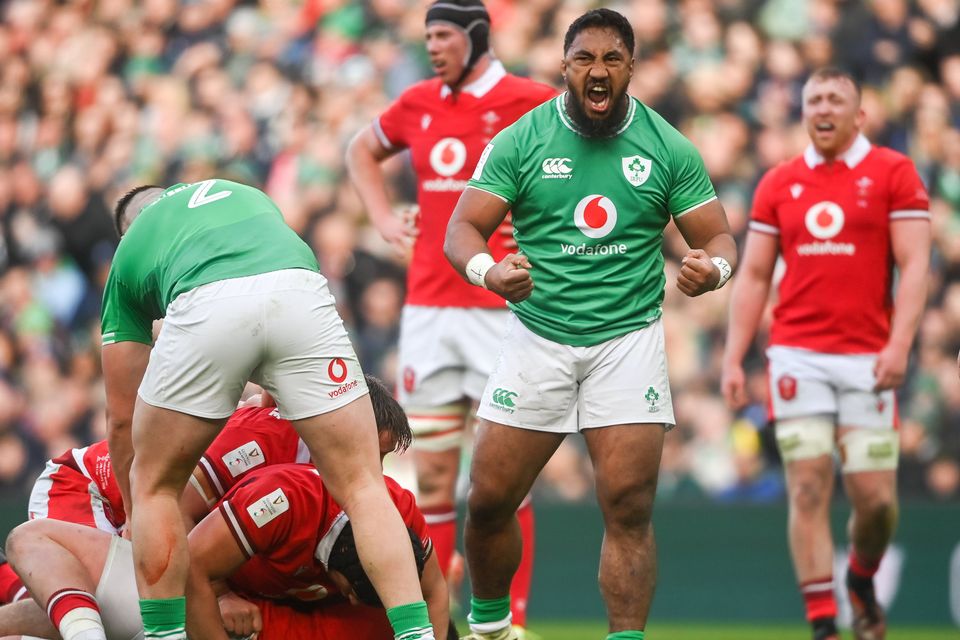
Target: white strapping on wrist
725,270
477,268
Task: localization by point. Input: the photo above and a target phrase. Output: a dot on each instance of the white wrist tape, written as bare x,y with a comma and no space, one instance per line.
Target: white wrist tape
725,270
477,268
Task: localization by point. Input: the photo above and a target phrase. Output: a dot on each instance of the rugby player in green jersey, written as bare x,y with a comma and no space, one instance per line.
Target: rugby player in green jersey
242,299
592,178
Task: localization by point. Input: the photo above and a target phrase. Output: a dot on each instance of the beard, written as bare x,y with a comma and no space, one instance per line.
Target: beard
596,127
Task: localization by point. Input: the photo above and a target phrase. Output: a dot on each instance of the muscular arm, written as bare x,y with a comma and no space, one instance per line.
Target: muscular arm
435,592
910,242
750,291
124,364
364,155
707,232
477,215
214,555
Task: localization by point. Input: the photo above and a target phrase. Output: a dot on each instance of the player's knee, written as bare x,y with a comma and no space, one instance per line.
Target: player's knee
808,495
434,487
627,506
489,505
26,539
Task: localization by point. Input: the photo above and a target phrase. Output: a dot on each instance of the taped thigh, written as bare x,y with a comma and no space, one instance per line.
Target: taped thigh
804,438
438,428
869,450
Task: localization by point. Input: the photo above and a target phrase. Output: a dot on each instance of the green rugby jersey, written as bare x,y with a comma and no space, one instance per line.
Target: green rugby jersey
194,234
589,213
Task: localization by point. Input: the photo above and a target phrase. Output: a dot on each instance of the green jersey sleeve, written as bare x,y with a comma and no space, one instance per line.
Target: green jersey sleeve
691,184
122,318
497,170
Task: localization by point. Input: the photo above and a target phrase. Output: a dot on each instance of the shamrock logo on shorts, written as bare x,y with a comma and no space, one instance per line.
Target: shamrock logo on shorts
652,397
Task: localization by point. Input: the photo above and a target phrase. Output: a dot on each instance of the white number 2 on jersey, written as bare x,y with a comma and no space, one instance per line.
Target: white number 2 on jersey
200,197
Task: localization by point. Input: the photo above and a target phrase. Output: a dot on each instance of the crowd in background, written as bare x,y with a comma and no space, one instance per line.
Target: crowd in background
97,96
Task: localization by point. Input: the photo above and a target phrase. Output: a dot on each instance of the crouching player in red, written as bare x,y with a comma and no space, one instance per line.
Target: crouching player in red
272,539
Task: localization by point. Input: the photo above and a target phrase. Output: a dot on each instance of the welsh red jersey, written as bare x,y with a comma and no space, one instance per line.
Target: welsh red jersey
446,133
833,221
79,475
286,522
253,437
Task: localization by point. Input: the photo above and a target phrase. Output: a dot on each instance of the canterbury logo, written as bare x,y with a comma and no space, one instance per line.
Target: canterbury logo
504,398
556,166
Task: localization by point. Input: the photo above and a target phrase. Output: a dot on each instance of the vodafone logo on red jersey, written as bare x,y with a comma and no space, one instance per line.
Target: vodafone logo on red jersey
824,220
448,157
595,216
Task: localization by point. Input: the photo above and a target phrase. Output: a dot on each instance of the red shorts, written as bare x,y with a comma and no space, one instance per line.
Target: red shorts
335,621
63,493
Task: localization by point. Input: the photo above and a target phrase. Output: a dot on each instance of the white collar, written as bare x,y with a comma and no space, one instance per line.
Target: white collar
482,85
851,157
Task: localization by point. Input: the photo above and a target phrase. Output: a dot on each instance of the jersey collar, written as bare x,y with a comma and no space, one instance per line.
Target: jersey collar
569,124
851,157
482,85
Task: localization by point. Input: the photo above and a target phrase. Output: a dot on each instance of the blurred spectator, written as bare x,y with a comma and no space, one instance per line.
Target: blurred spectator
98,96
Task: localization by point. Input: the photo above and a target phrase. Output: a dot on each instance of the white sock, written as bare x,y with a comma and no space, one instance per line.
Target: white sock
82,623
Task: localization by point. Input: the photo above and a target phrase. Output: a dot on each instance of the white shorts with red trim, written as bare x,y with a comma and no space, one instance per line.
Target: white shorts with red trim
806,383
64,493
278,329
447,353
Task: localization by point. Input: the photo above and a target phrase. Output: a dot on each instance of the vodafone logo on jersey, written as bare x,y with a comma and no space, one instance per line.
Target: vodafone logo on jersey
595,216
448,156
824,220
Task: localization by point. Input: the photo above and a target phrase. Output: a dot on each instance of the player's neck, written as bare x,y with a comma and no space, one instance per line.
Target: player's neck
483,64
830,158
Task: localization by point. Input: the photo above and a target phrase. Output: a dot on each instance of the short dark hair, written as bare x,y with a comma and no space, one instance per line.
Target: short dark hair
601,19
835,73
345,559
122,203
389,414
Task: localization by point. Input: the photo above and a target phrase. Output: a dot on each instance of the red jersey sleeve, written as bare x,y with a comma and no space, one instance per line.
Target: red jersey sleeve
253,438
261,512
412,517
763,215
390,127
908,196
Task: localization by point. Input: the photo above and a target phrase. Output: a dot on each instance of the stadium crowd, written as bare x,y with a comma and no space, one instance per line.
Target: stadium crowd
99,95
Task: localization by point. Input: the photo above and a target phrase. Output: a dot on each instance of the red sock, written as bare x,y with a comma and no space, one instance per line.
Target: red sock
66,600
442,527
863,568
520,587
10,584
818,598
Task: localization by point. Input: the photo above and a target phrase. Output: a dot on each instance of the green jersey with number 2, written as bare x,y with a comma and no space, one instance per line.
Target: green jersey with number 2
194,234
589,213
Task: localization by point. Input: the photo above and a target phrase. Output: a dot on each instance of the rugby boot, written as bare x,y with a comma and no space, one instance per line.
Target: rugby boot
825,629
869,623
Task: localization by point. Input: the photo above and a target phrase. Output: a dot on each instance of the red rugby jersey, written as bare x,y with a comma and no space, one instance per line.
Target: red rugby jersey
833,222
286,522
253,437
93,463
446,133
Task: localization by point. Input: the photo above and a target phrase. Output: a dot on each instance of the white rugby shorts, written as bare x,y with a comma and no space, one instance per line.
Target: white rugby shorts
543,385
280,330
447,353
805,383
